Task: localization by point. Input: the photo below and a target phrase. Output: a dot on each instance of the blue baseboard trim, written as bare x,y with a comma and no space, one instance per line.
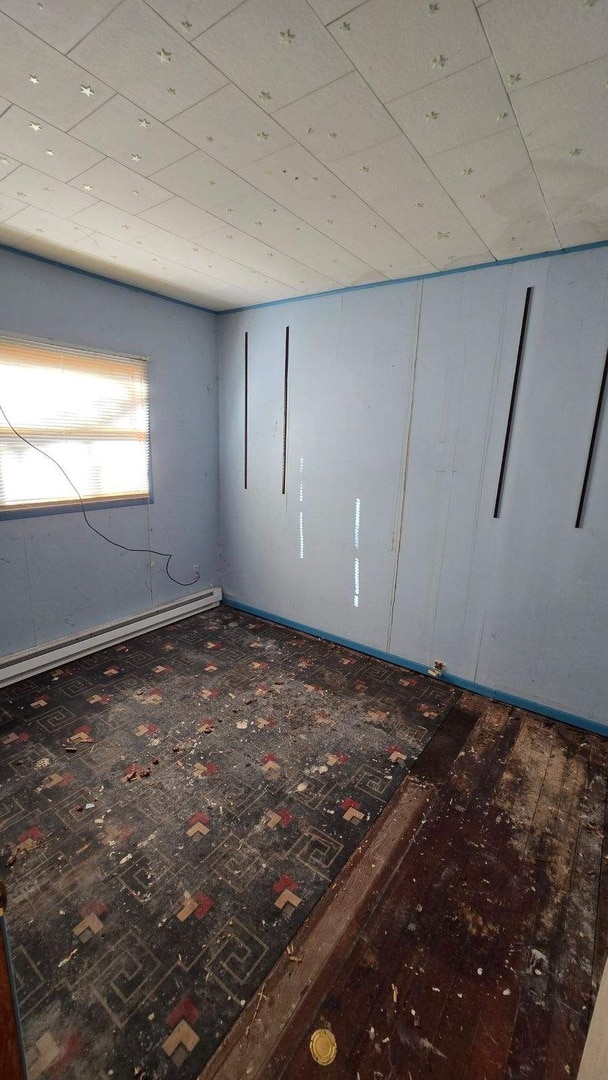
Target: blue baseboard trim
464,684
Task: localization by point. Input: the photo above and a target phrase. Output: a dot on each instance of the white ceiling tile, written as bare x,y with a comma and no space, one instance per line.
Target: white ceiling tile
511,212
7,164
113,222
32,220
191,17
37,189
573,174
274,47
278,228
328,10
181,217
40,79
231,128
47,149
560,107
585,222
532,41
399,47
458,109
9,206
252,252
61,23
202,180
119,186
338,119
124,49
197,257
297,181
131,136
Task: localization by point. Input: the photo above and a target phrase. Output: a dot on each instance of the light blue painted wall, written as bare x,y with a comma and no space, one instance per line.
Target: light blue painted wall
56,577
399,397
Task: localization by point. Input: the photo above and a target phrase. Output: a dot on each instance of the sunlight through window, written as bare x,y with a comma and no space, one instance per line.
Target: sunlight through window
88,412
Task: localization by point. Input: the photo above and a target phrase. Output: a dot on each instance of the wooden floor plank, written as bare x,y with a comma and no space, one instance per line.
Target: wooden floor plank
466,939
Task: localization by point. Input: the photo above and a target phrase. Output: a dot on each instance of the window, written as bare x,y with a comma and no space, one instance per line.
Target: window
88,411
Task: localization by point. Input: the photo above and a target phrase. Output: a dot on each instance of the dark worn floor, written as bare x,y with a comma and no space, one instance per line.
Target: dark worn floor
171,811
467,937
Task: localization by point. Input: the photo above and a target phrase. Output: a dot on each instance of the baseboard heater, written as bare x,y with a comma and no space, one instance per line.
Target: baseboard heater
31,662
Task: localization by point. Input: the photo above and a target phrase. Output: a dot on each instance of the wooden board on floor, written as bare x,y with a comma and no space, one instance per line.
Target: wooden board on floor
464,938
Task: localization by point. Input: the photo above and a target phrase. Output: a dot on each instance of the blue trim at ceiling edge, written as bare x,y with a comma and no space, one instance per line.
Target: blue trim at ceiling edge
464,684
107,280
419,277
310,296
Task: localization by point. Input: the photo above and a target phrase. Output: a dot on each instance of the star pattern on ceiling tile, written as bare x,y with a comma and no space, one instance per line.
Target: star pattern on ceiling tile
439,61
5,161
433,9
195,250
262,135
418,205
39,230
209,138
34,79
345,27
431,116
512,79
49,152
136,157
87,91
186,25
258,223
135,191
143,123
212,182
332,134
87,187
125,226
287,37
502,116
467,171
229,236
439,235
314,179
482,196
164,56
265,95
21,195
575,151
373,225
34,126
364,168
171,90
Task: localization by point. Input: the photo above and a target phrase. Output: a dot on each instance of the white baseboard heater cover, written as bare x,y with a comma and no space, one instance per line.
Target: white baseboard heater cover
24,665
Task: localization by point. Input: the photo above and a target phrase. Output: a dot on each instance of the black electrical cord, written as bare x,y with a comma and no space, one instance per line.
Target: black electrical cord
143,551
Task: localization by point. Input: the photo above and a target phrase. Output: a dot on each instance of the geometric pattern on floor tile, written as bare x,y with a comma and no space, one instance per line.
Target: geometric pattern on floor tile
171,810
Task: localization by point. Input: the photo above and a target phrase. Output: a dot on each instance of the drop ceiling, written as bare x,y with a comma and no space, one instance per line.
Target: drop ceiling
229,153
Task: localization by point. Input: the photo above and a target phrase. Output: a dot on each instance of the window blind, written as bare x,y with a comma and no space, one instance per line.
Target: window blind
88,411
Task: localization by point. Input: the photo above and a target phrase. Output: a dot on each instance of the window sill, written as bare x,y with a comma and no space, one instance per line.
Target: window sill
12,513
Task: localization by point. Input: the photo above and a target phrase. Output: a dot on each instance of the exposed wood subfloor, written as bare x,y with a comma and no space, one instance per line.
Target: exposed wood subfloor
467,937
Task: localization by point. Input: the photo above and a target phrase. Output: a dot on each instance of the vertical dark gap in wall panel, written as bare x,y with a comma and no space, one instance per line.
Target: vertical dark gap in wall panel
590,455
285,393
520,353
245,452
